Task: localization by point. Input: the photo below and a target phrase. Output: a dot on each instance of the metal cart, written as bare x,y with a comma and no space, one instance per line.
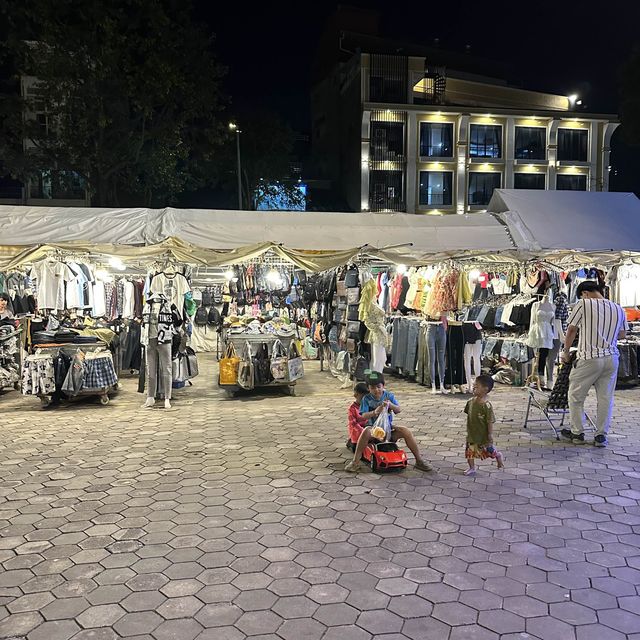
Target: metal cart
255,340
101,392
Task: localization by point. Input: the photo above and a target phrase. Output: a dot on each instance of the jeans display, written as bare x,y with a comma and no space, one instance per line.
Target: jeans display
436,347
455,374
159,369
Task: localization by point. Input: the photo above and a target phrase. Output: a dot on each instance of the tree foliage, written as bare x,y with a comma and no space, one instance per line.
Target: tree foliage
266,150
128,93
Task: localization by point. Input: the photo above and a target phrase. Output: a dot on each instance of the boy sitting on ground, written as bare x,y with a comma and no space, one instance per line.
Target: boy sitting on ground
371,407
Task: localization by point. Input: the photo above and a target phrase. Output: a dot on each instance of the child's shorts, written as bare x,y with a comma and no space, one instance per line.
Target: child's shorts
481,452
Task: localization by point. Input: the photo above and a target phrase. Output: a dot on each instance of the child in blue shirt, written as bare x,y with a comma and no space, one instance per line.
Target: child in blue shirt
370,408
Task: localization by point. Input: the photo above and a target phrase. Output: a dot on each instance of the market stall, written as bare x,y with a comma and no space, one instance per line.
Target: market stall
398,313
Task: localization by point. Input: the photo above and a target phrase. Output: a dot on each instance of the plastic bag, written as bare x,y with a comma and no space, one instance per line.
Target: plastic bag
382,426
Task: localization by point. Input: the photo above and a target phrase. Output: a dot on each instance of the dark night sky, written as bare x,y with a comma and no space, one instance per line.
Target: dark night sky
564,47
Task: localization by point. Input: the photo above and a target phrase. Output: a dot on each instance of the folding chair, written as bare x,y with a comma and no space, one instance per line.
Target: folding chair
552,404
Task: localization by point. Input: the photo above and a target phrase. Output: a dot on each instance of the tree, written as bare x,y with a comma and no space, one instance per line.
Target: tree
266,149
630,103
126,95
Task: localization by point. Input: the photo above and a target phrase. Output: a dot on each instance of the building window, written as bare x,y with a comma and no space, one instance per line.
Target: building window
387,140
528,181
481,186
485,141
436,188
436,139
570,182
531,143
66,185
573,144
386,192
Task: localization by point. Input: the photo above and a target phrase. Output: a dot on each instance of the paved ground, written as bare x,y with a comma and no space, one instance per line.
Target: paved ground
227,519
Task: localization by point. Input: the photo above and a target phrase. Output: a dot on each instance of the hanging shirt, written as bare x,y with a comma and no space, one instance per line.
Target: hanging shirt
128,304
51,277
173,287
99,300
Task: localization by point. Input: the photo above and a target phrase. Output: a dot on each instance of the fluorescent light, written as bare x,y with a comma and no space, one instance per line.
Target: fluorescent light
401,268
116,263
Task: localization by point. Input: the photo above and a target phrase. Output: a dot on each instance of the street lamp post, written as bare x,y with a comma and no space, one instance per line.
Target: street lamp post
234,127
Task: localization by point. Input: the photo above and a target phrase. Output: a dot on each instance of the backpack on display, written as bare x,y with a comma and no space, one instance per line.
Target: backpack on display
206,298
351,278
201,317
213,317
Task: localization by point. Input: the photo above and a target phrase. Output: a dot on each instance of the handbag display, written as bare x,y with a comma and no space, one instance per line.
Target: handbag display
294,364
262,366
353,328
353,312
279,360
185,366
229,366
246,375
353,295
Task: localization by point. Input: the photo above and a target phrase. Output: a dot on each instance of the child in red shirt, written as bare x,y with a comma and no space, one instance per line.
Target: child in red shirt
356,423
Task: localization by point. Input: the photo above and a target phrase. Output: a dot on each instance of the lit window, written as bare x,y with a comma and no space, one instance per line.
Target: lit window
530,143
436,188
573,144
436,139
485,141
569,182
481,186
529,181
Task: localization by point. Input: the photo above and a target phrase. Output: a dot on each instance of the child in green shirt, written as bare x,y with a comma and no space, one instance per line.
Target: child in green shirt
480,420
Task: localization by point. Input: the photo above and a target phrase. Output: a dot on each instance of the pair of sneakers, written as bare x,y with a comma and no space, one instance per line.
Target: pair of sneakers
599,441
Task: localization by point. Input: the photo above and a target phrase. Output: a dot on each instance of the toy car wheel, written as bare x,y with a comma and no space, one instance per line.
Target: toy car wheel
374,464
230,393
104,399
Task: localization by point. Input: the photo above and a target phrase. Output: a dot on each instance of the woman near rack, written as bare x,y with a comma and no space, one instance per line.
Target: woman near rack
5,311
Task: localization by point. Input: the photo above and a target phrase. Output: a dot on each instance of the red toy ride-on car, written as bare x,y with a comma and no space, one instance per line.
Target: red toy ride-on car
385,456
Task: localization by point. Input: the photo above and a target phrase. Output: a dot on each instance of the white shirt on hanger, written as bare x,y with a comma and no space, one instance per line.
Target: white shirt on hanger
173,287
128,306
51,276
99,300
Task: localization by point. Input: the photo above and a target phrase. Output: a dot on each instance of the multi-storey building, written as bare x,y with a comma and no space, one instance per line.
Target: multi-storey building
50,186
401,132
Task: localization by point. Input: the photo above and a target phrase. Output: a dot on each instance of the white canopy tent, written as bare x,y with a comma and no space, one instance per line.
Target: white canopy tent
583,221
228,229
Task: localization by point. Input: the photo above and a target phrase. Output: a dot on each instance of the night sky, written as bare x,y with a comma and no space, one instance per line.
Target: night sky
564,47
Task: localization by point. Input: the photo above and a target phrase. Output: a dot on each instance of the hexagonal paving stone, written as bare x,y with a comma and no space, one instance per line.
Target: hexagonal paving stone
143,601
454,613
253,623
101,616
56,630
19,624
218,615
295,607
300,628
136,624
379,622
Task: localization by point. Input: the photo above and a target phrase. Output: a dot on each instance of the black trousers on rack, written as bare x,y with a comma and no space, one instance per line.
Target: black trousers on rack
455,356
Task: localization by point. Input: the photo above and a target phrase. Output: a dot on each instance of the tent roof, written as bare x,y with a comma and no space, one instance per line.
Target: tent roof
587,221
225,229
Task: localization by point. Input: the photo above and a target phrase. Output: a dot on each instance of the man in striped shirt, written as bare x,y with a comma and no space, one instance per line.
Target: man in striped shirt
599,324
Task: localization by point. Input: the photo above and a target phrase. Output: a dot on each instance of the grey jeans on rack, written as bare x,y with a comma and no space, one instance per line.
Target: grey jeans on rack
437,346
159,362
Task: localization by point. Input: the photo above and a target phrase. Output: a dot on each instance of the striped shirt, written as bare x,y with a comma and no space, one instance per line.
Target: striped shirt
599,322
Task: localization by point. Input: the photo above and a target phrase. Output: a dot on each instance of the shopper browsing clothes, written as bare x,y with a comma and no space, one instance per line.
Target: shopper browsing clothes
5,311
371,407
599,324
480,421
